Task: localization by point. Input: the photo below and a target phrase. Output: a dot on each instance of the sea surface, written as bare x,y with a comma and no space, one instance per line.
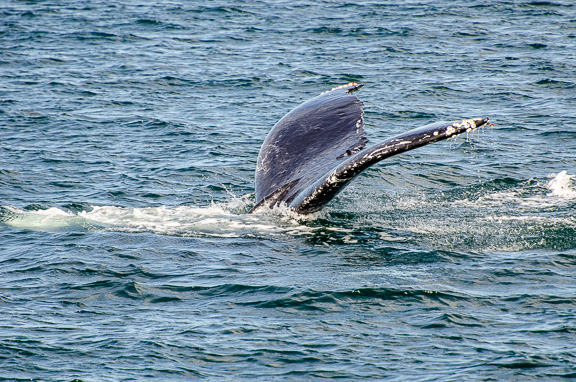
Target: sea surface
129,133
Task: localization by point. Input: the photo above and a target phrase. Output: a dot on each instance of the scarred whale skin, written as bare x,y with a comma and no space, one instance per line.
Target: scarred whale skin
315,150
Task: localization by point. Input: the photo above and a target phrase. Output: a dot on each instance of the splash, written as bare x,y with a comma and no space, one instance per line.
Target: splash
561,185
504,216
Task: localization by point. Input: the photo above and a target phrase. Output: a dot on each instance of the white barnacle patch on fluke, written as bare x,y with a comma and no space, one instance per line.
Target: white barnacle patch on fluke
335,179
353,85
450,130
467,125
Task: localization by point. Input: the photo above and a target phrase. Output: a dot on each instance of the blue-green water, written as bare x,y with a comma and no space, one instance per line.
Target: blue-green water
128,142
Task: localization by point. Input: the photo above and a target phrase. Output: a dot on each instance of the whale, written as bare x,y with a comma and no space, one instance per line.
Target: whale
318,148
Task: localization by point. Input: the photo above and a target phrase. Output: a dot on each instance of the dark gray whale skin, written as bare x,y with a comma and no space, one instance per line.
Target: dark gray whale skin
314,151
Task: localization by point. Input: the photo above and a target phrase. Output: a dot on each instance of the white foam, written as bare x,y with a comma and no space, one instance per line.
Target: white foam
561,185
51,219
218,220
561,189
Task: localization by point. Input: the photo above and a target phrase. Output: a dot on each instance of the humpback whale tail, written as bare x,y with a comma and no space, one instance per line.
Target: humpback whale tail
315,150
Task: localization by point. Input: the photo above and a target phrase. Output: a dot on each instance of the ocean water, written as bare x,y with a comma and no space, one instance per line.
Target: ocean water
129,134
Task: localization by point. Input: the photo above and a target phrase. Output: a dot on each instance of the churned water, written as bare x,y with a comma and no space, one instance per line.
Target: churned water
129,133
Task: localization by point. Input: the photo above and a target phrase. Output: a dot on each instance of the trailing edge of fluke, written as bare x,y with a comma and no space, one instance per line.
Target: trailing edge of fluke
315,150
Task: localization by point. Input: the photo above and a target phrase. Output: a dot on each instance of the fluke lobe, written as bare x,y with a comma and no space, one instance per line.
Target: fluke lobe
314,151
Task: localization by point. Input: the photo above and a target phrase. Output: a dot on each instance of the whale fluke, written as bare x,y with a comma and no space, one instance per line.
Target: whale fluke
315,150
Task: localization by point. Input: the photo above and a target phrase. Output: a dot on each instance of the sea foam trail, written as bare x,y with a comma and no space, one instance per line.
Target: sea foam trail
219,220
